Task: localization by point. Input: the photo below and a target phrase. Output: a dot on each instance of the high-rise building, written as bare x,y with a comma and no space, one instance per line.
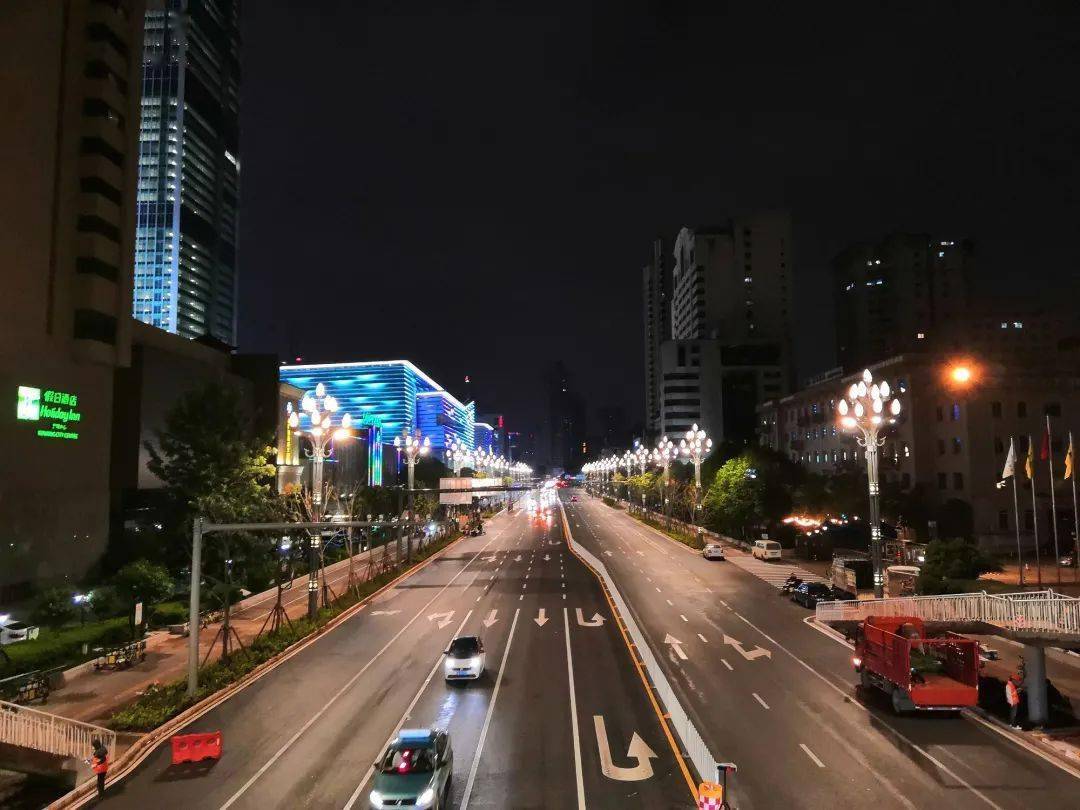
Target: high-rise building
189,168
656,312
69,84
901,293
566,421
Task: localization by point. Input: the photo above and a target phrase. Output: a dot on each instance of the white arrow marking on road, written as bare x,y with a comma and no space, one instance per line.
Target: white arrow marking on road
541,618
547,556
676,645
490,620
517,558
595,621
749,655
444,618
384,612
489,559
609,553
639,551
638,750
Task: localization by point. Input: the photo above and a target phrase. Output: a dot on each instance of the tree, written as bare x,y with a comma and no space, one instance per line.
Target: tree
142,581
734,500
54,608
950,560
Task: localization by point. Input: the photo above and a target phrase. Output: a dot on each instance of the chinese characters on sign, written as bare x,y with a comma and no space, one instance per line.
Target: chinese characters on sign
58,408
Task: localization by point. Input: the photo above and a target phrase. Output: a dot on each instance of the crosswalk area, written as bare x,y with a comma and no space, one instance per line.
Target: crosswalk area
775,574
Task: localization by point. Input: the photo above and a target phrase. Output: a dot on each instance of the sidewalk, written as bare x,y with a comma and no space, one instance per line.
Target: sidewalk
93,696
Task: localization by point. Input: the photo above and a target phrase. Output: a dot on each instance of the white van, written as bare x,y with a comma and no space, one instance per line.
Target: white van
766,550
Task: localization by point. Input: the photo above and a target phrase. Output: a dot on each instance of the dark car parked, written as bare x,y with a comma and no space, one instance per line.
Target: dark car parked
810,593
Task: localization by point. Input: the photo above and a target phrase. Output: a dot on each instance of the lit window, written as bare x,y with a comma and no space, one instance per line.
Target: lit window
1004,325
1018,324
920,336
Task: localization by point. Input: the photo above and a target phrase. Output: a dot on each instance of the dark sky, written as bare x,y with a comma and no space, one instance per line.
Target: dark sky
476,191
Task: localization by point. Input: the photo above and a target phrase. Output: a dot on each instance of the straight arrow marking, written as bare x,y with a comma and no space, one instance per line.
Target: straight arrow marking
490,620
676,645
541,618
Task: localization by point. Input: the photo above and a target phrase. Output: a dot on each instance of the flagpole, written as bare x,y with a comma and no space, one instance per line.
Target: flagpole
1016,519
1035,512
1076,517
1053,499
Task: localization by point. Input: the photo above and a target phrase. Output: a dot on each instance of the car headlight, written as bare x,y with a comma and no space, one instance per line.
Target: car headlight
375,798
474,662
426,799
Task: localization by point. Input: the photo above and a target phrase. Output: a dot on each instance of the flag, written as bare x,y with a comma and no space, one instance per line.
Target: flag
1069,459
1029,463
1010,461
1044,452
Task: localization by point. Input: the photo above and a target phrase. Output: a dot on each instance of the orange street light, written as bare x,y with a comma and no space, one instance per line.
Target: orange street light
961,374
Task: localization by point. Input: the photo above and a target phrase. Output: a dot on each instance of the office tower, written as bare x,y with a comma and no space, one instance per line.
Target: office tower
189,169
656,312
898,294
69,82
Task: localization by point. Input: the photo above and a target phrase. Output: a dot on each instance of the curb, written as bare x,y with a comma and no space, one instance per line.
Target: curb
149,742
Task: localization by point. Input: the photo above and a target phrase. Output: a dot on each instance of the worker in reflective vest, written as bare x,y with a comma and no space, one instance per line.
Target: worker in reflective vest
99,763
1012,697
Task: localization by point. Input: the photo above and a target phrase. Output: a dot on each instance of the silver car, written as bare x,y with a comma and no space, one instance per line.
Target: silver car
465,659
713,551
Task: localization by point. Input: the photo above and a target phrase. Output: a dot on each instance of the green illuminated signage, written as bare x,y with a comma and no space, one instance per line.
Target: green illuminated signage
370,420
58,408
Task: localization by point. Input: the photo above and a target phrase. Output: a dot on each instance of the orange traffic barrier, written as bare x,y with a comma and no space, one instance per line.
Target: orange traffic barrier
710,796
196,747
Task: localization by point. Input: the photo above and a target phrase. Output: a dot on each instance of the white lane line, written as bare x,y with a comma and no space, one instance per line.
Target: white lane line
573,713
670,602
658,590
683,618
703,638
348,684
812,755
371,768
487,720
726,664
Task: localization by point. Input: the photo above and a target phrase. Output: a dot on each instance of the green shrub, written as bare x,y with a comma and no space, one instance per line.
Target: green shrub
62,648
168,613
54,607
611,502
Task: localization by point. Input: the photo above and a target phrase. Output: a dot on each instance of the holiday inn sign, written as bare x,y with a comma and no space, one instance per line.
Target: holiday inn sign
59,409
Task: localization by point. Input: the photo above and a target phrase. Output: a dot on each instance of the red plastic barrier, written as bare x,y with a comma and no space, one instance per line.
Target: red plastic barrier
196,747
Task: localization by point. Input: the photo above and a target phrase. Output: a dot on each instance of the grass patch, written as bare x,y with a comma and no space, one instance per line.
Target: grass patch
614,504
160,704
686,538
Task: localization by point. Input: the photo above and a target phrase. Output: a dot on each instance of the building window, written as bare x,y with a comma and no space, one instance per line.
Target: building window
957,446
999,446
942,481
954,413
941,447
93,325
995,410
940,414
1021,410
957,480
1003,519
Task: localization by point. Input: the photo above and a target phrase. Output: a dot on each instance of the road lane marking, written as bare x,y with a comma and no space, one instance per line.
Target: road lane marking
541,617
749,655
573,712
758,698
676,645
726,664
683,618
405,716
638,750
703,638
812,755
670,602
348,684
596,621
487,720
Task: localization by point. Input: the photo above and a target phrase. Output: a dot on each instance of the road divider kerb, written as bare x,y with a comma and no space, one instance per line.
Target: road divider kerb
123,766
640,666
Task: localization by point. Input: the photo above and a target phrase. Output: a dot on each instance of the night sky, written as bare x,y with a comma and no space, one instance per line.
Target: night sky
477,191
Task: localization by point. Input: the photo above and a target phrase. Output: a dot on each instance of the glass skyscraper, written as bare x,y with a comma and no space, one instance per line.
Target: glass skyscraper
189,169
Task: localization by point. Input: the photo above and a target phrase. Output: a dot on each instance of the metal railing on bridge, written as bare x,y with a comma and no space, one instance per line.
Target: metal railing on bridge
30,728
1029,611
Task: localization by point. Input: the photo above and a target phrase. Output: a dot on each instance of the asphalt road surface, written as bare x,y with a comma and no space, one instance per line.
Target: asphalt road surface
779,698
561,718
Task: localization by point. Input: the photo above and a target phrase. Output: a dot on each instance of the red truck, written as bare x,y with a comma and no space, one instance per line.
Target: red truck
919,673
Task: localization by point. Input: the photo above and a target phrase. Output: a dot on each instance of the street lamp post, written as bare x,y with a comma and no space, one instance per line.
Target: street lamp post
627,461
665,453
456,453
413,446
320,410
695,446
868,408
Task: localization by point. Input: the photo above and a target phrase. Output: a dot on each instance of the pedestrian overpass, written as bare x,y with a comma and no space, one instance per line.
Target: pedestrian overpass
1036,619
36,742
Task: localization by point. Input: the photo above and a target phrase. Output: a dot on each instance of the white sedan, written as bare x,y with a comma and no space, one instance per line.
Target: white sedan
713,551
465,659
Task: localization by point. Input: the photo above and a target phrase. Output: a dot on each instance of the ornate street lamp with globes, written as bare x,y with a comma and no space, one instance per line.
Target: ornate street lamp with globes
868,408
695,446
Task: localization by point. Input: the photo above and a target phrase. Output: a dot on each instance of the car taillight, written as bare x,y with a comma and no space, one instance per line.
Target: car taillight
856,662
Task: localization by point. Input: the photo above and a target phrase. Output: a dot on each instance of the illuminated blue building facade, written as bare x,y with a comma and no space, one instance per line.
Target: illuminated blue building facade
394,394
485,438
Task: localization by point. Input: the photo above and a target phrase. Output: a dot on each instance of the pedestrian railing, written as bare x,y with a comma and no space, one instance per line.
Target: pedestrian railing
41,731
1031,611
696,749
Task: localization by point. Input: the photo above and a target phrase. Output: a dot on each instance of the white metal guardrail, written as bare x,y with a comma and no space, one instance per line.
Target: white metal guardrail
696,749
1031,611
41,731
